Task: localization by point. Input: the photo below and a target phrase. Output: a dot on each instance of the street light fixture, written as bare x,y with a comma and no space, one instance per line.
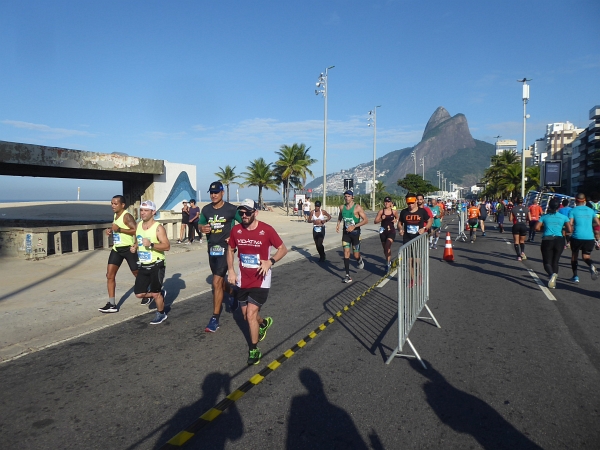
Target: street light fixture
439,174
525,117
322,85
413,155
423,166
373,122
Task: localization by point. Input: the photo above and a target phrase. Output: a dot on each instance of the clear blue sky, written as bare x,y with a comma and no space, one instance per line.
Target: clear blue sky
217,83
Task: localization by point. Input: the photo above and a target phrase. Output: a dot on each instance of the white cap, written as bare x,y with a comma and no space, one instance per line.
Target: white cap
148,204
247,204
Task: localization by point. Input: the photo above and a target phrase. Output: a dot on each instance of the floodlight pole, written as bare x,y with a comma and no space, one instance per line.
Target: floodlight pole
322,82
525,117
373,113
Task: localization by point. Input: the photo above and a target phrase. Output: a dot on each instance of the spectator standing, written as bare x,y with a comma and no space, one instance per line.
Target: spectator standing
185,220
194,214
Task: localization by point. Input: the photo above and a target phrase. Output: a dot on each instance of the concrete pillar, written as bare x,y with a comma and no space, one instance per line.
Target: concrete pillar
75,241
90,236
57,244
136,191
104,239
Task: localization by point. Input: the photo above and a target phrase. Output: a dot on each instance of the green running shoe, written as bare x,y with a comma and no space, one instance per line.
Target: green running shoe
254,357
262,330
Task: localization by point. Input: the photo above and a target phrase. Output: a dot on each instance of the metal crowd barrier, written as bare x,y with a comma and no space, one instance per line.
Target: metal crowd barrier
462,220
413,291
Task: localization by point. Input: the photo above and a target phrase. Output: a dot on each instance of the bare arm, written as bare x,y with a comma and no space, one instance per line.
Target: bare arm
378,218
231,275
362,215
130,222
267,264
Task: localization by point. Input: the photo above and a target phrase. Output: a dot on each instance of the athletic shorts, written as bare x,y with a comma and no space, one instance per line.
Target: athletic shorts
116,258
256,296
435,229
387,234
501,218
150,279
218,265
306,213
473,223
351,240
520,229
585,245
483,217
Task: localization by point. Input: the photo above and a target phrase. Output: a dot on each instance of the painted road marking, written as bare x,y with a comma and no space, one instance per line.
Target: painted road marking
205,419
388,278
544,289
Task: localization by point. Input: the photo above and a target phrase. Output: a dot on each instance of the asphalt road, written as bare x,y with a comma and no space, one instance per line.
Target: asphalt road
509,368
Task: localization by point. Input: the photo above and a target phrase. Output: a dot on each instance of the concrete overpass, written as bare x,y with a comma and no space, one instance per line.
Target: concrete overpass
143,178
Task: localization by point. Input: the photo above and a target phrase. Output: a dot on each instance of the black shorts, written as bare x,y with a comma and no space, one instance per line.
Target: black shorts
387,234
520,229
218,265
256,296
473,223
585,245
351,240
150,279
117,256
483,217
500,218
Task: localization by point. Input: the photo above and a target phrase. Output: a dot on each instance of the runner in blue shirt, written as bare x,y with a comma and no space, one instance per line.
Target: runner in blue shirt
553,242
586,229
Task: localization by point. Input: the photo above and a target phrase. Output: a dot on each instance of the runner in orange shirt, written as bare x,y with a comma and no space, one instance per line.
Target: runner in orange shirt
473,220
533,216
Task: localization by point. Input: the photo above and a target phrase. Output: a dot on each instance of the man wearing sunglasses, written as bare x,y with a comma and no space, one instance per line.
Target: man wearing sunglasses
413,221
353,217
216,220
253,240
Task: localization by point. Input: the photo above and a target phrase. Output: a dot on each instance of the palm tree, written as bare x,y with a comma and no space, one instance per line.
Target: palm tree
533,177
293,167
227,176
260,174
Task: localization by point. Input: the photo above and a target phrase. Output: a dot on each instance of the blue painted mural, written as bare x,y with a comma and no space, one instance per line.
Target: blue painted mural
182,190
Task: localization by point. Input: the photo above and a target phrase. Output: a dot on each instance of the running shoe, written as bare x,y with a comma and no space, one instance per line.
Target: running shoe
523,256
213,325
109,308
575,279
146,301
361,263
519,258
552,282
594,273
389,266
254,357
262,330
159,318
200,241
434,247
483,234
472,241
179,241
347,279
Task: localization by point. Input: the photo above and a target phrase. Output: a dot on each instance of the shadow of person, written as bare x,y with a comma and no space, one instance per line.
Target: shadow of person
125,296
317,424
468,414
228,427
302,251
173,285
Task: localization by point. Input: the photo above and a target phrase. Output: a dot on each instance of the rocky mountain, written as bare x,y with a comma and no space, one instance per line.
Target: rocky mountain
446,145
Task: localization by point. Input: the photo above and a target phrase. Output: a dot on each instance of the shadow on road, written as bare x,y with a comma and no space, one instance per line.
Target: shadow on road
465,413
315,423
173,285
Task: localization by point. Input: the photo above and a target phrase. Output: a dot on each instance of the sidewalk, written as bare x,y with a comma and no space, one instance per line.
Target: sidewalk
49,301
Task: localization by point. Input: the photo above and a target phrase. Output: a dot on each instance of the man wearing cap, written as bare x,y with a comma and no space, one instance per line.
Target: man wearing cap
150,245
123,232
253,240
216,220
319,217
586,231
353,217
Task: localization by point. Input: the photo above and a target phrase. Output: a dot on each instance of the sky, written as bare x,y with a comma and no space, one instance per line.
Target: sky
223,83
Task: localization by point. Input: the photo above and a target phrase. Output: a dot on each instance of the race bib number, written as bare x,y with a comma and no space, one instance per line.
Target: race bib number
140,240
412,229
145,257
348,222
381,230
317,229
116,238
250,261
216,250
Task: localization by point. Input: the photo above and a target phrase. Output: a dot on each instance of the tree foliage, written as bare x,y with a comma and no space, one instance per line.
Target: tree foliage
292,168
227,176
415,183
260,173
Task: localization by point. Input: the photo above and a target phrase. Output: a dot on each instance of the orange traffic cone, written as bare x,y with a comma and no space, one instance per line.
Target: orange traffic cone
448,252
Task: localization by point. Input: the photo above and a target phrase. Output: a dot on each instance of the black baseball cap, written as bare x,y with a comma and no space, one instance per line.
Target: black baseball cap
215,187
387,199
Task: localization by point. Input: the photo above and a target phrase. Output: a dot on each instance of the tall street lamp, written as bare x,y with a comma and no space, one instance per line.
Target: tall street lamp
322,84
413,155
373,122
423,166
439,174
525,117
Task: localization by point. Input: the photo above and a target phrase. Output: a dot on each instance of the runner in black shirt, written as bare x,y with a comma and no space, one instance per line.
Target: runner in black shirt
413,220
217,219
518,216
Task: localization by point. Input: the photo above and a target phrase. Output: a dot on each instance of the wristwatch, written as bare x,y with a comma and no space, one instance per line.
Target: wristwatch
151,245
272,261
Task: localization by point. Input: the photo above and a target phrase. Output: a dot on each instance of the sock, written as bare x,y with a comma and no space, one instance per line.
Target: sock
574,268
518,249
111,300
262,324
587,261
431,239
253,346
522,248
347,265
216,316
437,238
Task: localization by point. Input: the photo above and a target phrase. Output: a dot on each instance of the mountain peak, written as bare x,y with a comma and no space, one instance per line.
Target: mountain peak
440,115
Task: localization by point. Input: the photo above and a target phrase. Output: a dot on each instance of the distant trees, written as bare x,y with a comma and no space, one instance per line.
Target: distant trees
292,168
415,183
227,176
260,174
503,177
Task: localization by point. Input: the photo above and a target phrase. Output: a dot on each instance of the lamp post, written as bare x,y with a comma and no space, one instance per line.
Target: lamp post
439,174
373,122
423,166
322,83
413,155
525,117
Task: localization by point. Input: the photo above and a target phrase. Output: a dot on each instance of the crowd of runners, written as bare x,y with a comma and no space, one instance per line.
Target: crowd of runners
229,230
